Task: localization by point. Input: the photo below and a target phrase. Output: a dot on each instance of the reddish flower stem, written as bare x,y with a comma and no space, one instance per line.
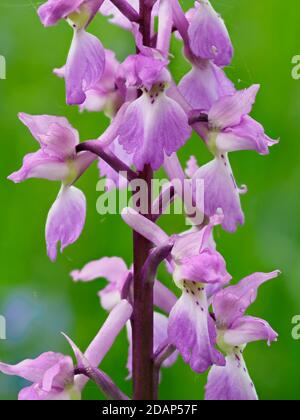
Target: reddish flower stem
142,321
142,325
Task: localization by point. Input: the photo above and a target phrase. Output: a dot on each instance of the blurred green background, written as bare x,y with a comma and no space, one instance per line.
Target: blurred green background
38,298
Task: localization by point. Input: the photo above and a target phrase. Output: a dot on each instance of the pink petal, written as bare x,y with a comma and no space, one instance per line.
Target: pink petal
228,111
209,38
40,165
54,10
85,66
232,302
36,393
59,376
66,220
103,95
221,192
190,332
207,267
190,244
147,122
34,370
248,135
112,269
231,382
204,85
55,134
248,329
143,70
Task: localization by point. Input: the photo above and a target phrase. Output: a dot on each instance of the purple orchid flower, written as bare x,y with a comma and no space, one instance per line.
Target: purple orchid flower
235,330
153,118
115,271
197,268
104,95
230,129
52,374
205,84
57,161
86,59
208,35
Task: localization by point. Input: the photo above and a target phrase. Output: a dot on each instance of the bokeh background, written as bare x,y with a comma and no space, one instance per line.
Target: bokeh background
39,299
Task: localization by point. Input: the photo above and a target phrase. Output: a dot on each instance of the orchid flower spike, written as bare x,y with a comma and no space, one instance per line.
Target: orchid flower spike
86,60
235,330
57,161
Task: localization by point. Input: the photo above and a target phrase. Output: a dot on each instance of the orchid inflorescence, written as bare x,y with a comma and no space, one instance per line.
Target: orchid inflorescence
151,120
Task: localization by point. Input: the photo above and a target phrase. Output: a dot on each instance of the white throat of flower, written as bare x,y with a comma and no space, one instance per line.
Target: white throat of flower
196,292
155,92
80,18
